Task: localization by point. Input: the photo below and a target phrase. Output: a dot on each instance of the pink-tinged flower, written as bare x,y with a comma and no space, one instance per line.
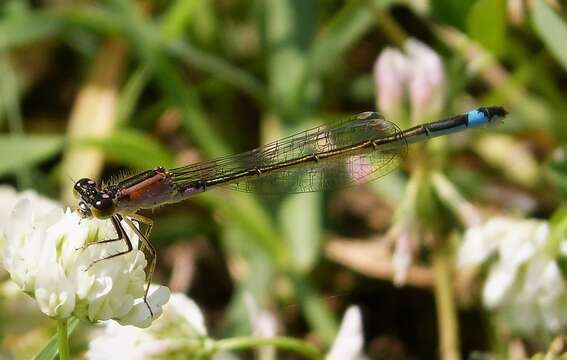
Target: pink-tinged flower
427,82
418,74
263,322
390,76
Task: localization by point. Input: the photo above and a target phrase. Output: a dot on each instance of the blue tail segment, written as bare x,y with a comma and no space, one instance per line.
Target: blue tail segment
477,118
485,115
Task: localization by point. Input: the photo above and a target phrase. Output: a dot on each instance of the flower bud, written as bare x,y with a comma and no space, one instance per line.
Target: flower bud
390,74
426,81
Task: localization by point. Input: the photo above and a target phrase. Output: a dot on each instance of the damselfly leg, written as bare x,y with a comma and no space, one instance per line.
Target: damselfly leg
152,253
122,235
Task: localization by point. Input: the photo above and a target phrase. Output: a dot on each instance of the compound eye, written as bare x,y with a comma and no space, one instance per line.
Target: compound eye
83,187
103,207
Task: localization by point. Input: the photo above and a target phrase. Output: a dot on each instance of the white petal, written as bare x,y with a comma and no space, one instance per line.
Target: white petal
498,285
182,307
54,292
402,258
140,315
350,339
44,251
543,282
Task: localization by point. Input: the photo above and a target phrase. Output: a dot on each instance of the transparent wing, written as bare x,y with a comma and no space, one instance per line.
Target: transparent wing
307,176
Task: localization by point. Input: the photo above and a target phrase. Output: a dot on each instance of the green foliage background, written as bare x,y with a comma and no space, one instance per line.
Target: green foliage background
210,78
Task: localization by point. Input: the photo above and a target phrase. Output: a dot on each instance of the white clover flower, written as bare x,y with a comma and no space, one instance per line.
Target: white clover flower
350,339
46,254
524,283
179,331
8,199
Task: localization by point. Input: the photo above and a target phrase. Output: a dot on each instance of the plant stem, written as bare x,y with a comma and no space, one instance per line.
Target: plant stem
282,342
446,314
63,339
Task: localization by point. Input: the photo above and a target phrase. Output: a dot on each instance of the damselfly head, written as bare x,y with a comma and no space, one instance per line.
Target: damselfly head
100,204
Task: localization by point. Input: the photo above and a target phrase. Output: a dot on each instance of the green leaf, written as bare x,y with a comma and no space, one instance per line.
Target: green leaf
130,148
19,151
300,217
558,224
178,15
350,23
289,31
50,350
451,12
486,24
236,240
315,310
148,44
23,29
131,93
552,31
344,29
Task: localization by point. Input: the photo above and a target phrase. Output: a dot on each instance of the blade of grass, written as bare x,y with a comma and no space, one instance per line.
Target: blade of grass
300,219
552,30
350,23
24,29
10,109
248,211
130,94
53,22
288,32
314,309
177,16
258,277
218,67
130,148
50,350
27,150
486,24
94,114
146,42
289,38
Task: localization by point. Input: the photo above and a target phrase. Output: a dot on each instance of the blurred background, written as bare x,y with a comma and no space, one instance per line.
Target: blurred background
430,253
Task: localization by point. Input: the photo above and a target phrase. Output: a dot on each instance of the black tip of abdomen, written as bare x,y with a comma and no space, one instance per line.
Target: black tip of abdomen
494,111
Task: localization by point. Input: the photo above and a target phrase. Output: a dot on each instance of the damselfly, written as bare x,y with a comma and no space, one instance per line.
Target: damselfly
348,152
